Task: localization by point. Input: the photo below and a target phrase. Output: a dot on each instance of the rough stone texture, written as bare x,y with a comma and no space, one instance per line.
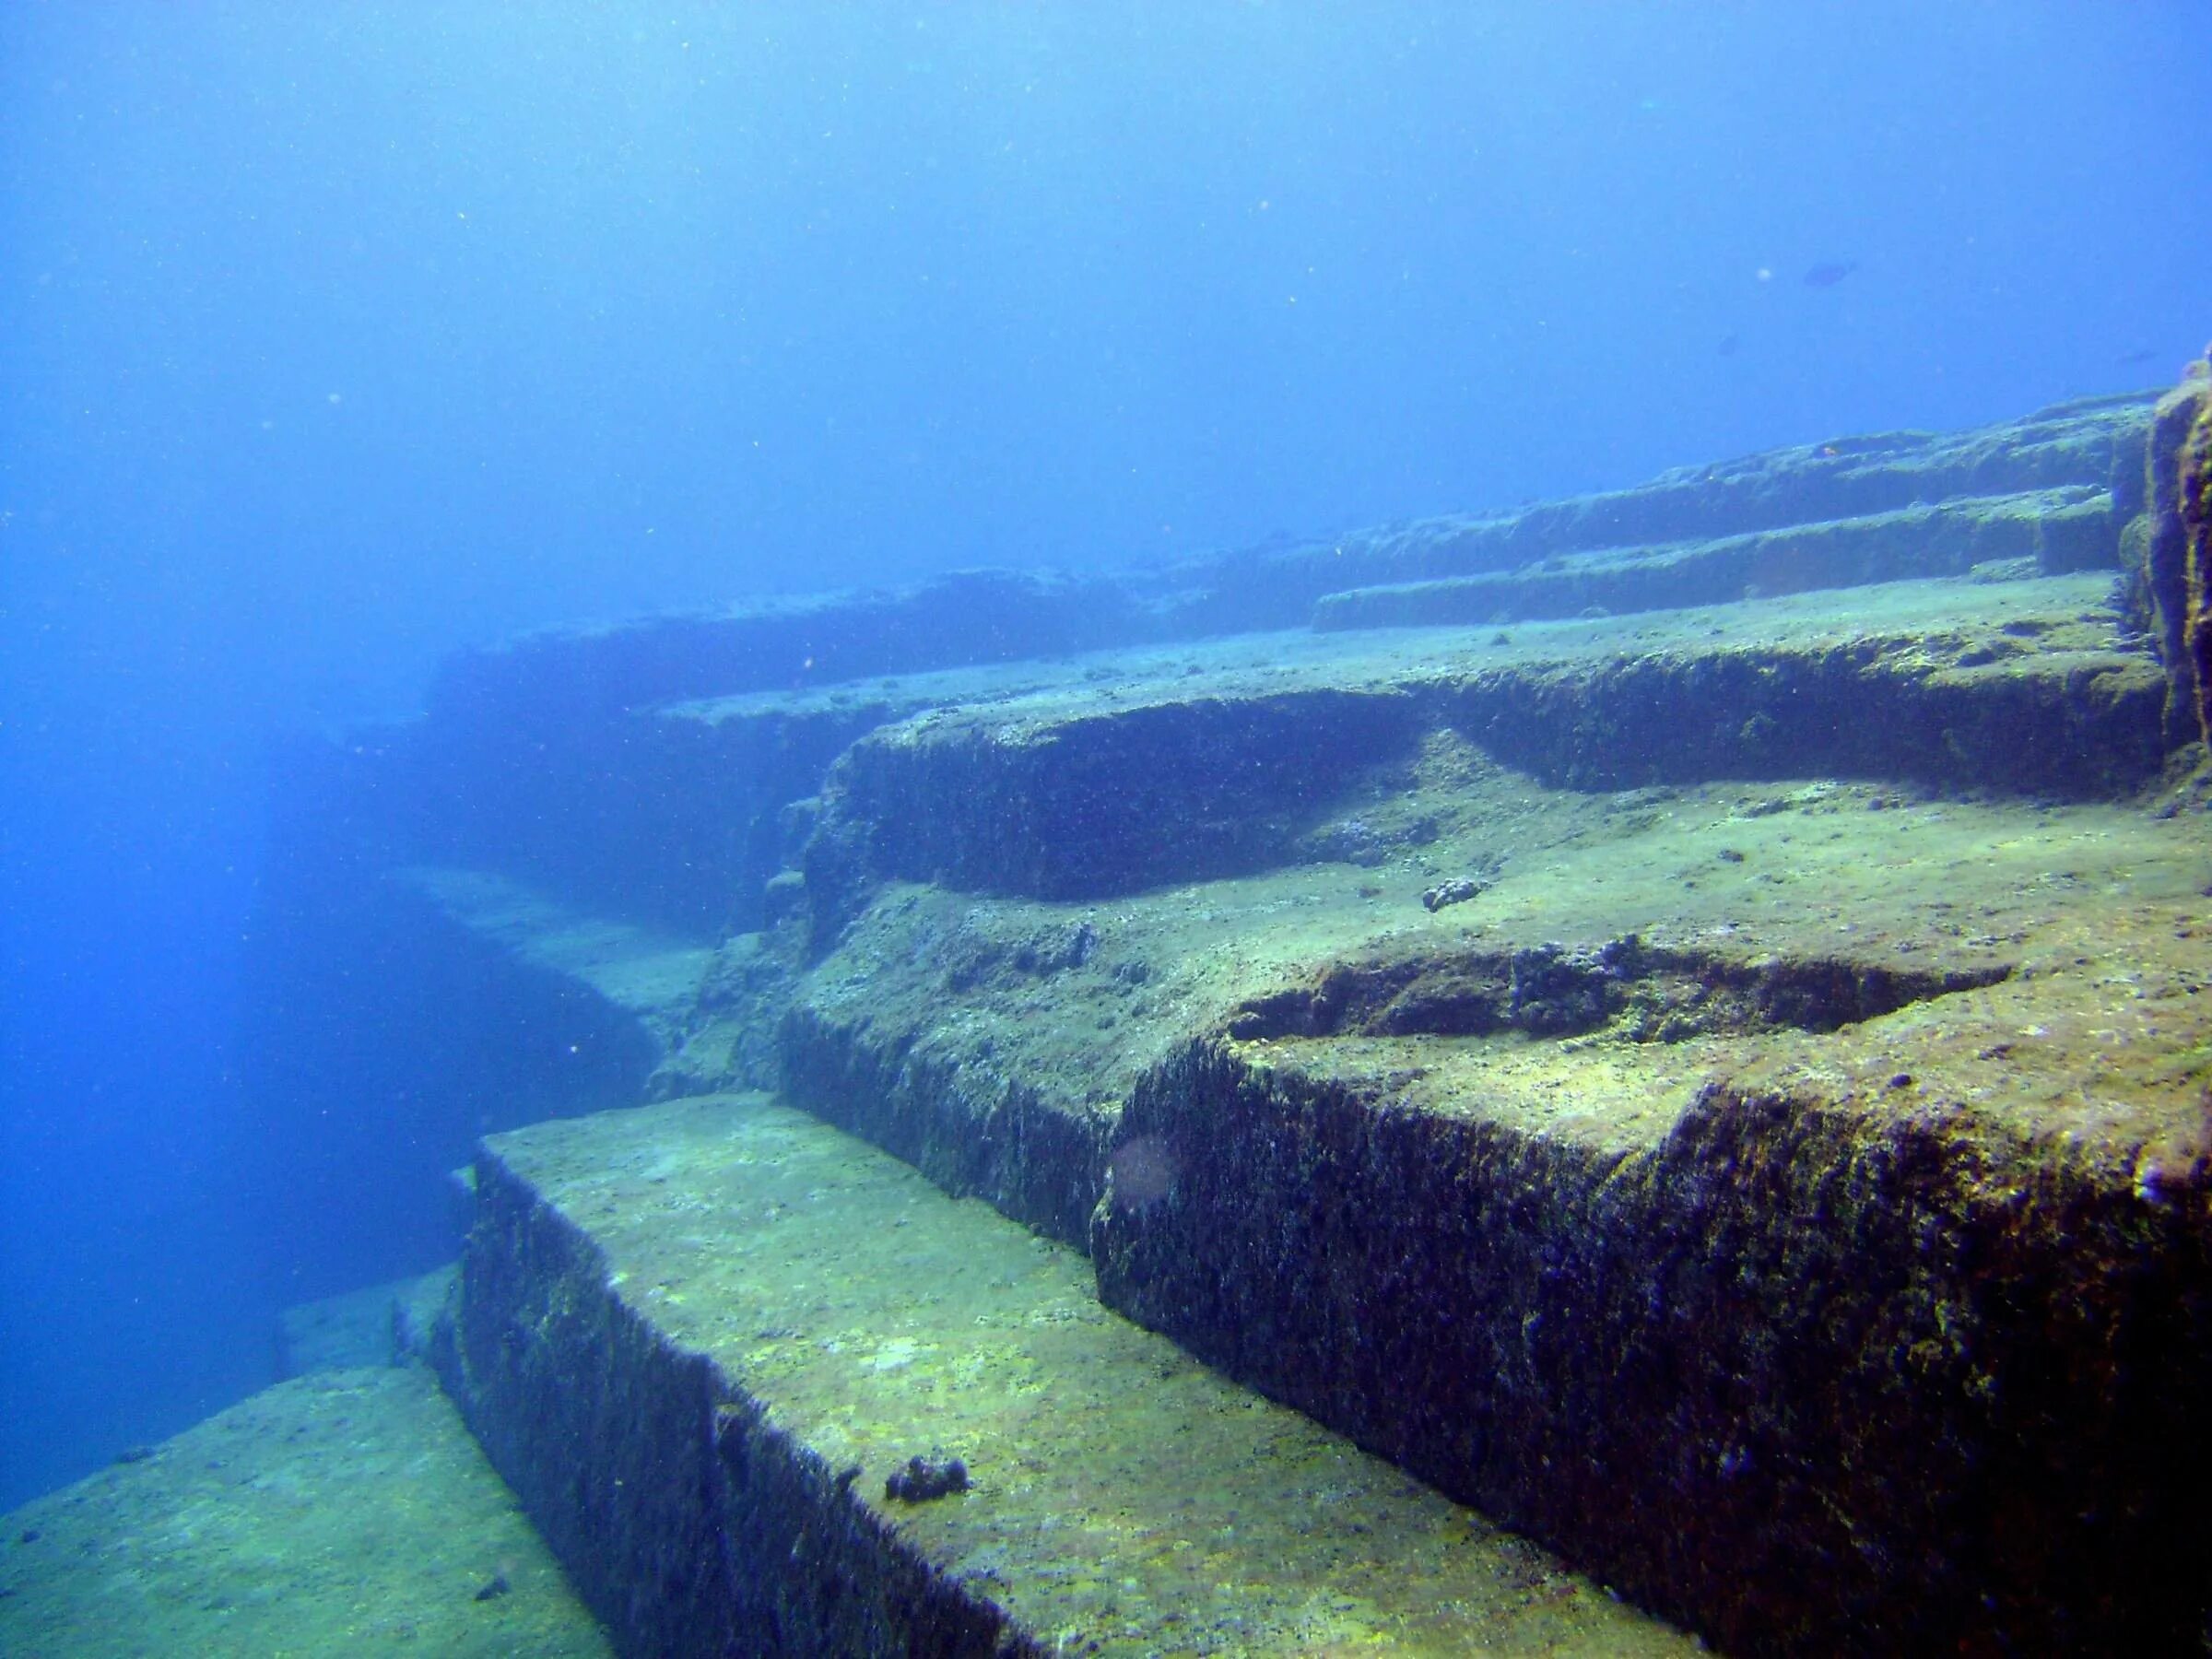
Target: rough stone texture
2050,532
1741,1117
703,1338
1096,802
1822,1379
1169,772
614,1437
564,677
1002,1134
567,678
2161,550
1726,1087
1926,708
570,760
645,769
2095,444
729,1024
1829,1263
673,821
654,977
642,768
2196,514
342,1512
382,1325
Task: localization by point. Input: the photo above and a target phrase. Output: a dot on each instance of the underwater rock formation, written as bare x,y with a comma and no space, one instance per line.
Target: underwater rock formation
2195,509
2167,552
1718,1081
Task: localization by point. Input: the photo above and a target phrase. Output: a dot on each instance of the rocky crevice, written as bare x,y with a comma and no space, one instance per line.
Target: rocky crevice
1631,990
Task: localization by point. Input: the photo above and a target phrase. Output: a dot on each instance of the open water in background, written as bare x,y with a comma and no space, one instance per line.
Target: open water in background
332,337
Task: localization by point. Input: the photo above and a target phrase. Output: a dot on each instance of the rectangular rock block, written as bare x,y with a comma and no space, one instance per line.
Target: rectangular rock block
1816,1376
706,1341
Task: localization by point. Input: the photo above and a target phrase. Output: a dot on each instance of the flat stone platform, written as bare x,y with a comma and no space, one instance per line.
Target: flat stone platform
346,1511
702,1337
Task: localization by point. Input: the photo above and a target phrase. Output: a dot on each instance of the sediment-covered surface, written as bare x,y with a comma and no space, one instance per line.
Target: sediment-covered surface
379,1325
2048,532
709,1339
643,972
1820,496
347,1512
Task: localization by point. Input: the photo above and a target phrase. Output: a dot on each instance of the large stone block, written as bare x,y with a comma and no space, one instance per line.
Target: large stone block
710,1341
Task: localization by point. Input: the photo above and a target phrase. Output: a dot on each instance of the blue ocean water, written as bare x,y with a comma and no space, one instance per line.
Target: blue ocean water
334,337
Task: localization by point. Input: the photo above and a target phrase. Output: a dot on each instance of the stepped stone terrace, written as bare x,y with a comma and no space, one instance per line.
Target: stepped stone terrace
1628,1073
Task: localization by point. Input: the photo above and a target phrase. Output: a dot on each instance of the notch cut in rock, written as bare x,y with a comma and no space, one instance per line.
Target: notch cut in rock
1637,991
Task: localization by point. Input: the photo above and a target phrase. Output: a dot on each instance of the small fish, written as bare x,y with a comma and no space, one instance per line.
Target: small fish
2137,359
1730,345
1830,271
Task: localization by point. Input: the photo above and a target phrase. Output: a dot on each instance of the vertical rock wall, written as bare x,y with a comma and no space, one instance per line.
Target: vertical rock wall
2195,514
2167,552
1809,1381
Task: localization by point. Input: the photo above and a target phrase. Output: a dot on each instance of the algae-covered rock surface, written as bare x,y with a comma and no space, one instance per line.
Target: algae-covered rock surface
343,1513
2167,550
708,1340
1158,768
1775,1190
380,1325
1781,1193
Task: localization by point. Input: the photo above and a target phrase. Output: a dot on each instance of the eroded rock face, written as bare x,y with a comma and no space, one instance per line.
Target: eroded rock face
2196,512
2168,556
1818,1380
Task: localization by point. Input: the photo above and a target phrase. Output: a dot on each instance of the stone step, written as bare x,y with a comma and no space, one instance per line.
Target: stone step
2044,531
1214,762
552,679
377,1325
550,759
729,1356
646,974
1722,1089
1786,1200
346,1511
1711,1152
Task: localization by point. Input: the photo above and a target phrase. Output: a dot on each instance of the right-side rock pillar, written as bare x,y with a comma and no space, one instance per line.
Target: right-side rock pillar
2168,552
